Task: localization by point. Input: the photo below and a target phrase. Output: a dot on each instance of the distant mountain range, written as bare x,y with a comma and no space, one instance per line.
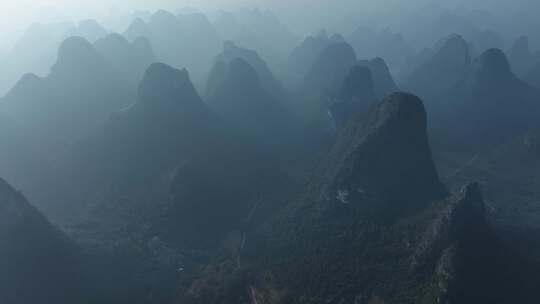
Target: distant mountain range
222,159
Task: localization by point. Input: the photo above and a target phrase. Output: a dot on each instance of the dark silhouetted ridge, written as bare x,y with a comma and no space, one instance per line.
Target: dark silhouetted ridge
32,252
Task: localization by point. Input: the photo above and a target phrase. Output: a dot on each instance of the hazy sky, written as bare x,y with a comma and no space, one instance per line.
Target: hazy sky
20,12
16,15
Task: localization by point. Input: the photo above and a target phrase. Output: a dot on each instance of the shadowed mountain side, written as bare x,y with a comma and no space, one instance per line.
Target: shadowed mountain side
532,77
330,68
490,106
137,28
169,123
129,59
266,78
50,114
305,55
369,155
356,95
236,92
521,58
88,29
510,176
184,40
260,30
387,44
78,95
168,157
36,50
444,67
32,252
383,82
214,195
376,212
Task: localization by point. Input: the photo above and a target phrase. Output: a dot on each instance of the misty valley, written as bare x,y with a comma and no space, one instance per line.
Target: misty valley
196,157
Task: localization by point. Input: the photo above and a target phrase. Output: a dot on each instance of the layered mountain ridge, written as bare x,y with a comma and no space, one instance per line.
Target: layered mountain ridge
334,244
